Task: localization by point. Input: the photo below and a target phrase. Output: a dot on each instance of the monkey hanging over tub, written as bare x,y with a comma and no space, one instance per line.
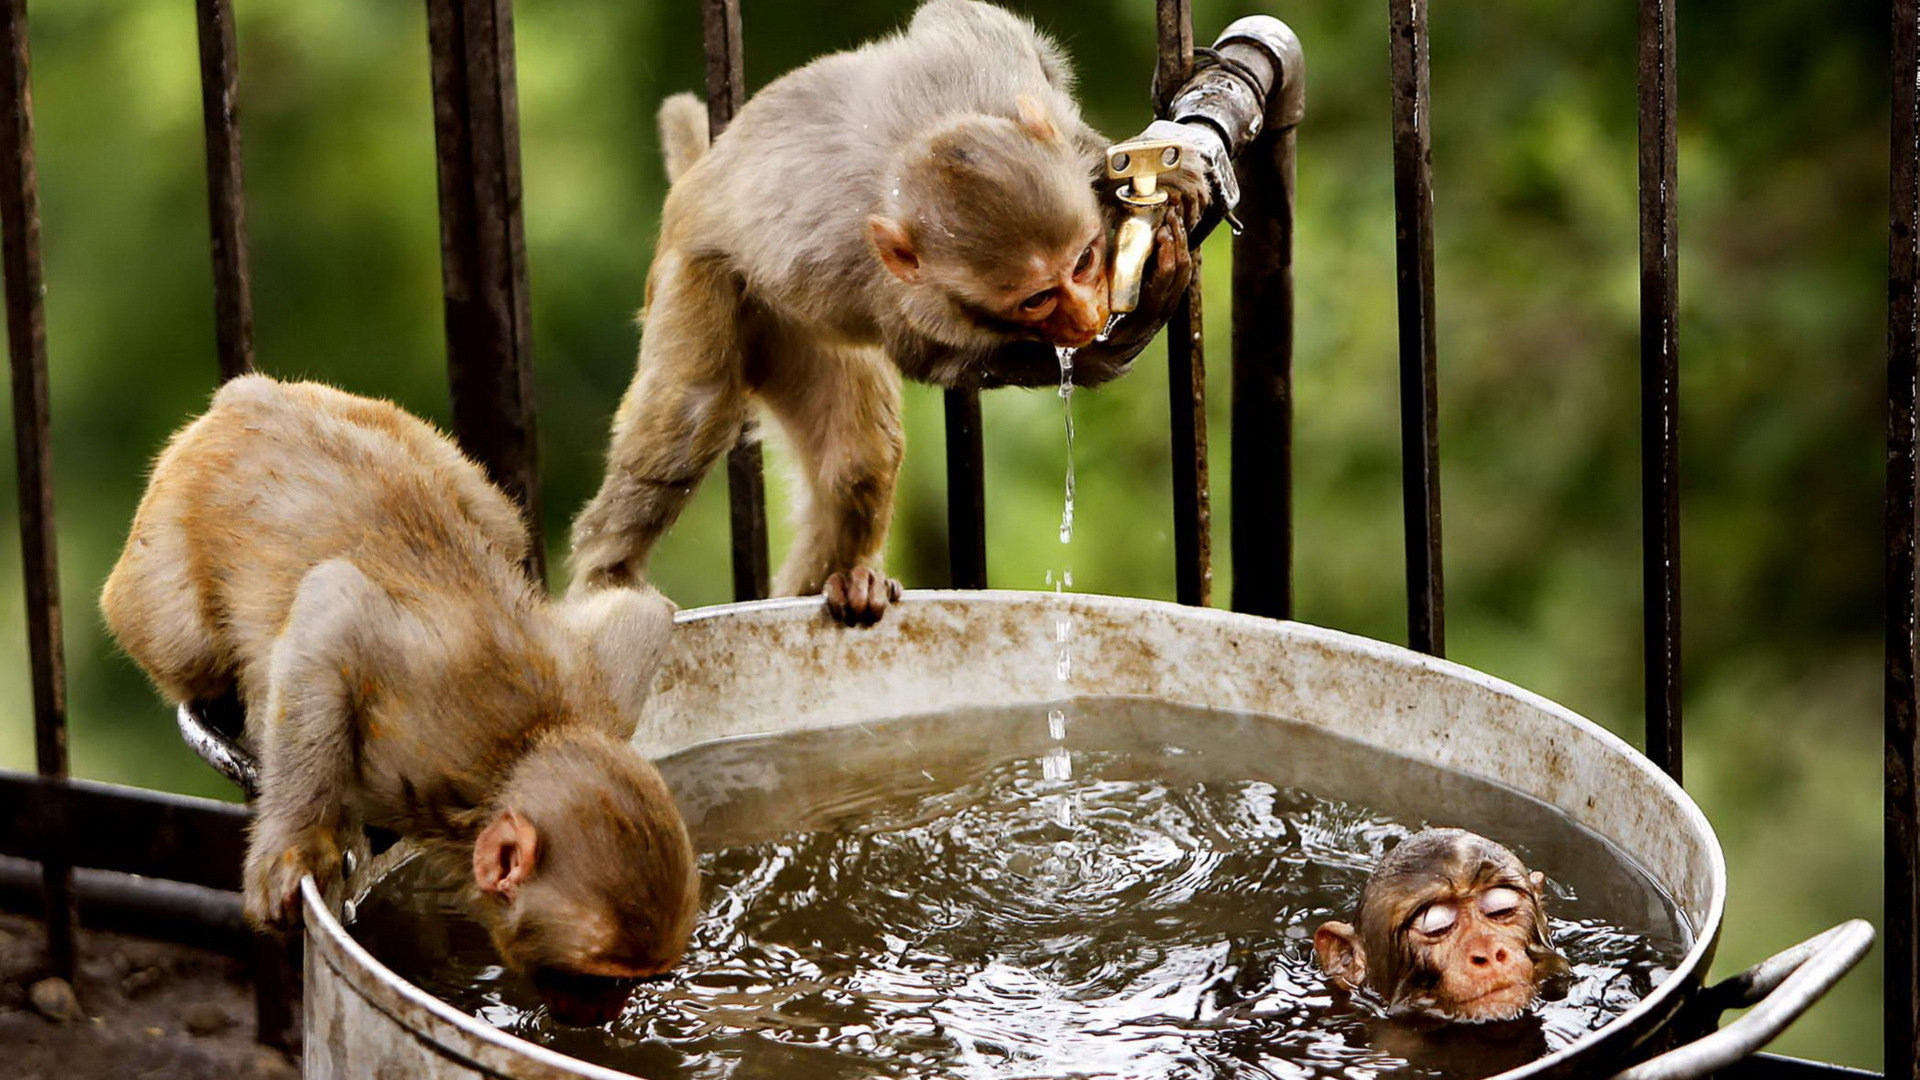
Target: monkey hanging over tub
924,205
357,581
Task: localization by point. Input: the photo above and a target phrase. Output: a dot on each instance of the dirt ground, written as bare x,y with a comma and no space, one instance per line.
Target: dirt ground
147,1010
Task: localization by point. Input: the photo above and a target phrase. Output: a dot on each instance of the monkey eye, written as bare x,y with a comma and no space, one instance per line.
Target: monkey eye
1499,900
1085,264
1037,300
1435,918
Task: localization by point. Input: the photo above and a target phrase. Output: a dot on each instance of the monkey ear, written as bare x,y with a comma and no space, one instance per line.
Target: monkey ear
504,855
624,631
1033,118
895,248
1341,955
1538,880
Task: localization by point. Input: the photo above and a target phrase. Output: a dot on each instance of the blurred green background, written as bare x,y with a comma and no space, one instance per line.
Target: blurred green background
1782,206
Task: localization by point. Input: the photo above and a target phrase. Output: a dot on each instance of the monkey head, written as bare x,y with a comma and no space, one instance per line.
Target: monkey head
586,878
995,215
1450,924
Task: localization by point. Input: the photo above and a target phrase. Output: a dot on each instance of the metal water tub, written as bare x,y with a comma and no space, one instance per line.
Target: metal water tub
781,665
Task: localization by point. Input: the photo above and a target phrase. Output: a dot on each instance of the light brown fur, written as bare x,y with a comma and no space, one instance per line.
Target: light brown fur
878,213
357,580
1485,956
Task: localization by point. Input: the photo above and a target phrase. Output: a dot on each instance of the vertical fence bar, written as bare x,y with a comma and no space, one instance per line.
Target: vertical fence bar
746,476
1261,481
966,492
483,257
1262,435
1413,253
226,210
1659,383
27,352
1902,586
1186,356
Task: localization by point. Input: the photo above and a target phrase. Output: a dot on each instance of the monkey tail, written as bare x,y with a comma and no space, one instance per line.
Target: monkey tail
683,133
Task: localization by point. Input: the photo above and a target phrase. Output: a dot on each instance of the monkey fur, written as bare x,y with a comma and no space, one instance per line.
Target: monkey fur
924,205
1450,925
358,581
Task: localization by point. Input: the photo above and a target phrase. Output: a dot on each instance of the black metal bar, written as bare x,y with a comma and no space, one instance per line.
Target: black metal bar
1660,383
1186,356
966,492
1775,1067
746,475
27,350
483,259
152,908
126,830
1413,252
226,208
1261,484
1902,836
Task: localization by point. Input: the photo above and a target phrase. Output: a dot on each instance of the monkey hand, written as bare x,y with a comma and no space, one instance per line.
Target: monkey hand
858,597
1169,272
274,872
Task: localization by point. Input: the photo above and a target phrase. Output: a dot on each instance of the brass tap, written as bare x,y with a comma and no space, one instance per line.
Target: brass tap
1140,163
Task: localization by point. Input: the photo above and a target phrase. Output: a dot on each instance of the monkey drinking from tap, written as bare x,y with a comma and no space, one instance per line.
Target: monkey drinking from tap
1450,925
924,205
357,581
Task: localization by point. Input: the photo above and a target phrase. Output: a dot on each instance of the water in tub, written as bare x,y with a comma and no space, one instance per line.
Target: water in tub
905,899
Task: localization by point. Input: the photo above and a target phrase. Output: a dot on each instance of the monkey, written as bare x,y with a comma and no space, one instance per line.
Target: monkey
925,206
358,582
1449,925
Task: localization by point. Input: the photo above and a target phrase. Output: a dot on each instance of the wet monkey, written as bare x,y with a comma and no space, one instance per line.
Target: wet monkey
922,206
1450,924
344,568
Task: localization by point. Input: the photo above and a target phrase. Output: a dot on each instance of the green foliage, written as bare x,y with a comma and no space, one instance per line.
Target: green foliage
1783,255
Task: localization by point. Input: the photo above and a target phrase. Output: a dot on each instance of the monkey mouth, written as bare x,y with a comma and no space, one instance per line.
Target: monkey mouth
1503,1002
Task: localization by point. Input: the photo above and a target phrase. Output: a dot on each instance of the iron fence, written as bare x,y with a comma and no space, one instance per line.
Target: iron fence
192,848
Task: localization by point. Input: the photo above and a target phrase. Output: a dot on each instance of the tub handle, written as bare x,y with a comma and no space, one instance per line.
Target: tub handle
1779,988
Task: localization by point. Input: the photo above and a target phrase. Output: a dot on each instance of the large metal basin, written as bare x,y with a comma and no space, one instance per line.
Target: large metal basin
781,665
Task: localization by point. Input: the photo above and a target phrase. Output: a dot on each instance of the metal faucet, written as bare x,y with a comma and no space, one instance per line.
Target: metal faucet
1139,162
1254,82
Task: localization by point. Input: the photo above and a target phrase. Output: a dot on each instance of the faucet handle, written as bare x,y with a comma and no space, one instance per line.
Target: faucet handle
1140,162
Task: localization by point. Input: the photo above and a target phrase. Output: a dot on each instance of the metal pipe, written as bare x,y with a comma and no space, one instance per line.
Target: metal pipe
1660,383
966,491
746,474
226,207
1419,391
483,258
1902,839
27,351
150,907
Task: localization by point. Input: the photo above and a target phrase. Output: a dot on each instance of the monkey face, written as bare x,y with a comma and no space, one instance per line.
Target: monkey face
1450,924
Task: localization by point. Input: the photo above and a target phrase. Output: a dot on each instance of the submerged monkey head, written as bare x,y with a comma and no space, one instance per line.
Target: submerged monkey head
1450,924
587,880
997,215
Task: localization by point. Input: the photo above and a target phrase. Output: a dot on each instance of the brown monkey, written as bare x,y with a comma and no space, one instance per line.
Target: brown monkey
1450,924
357,580
924,205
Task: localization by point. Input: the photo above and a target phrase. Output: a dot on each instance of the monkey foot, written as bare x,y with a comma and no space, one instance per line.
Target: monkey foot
860,596
273,882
